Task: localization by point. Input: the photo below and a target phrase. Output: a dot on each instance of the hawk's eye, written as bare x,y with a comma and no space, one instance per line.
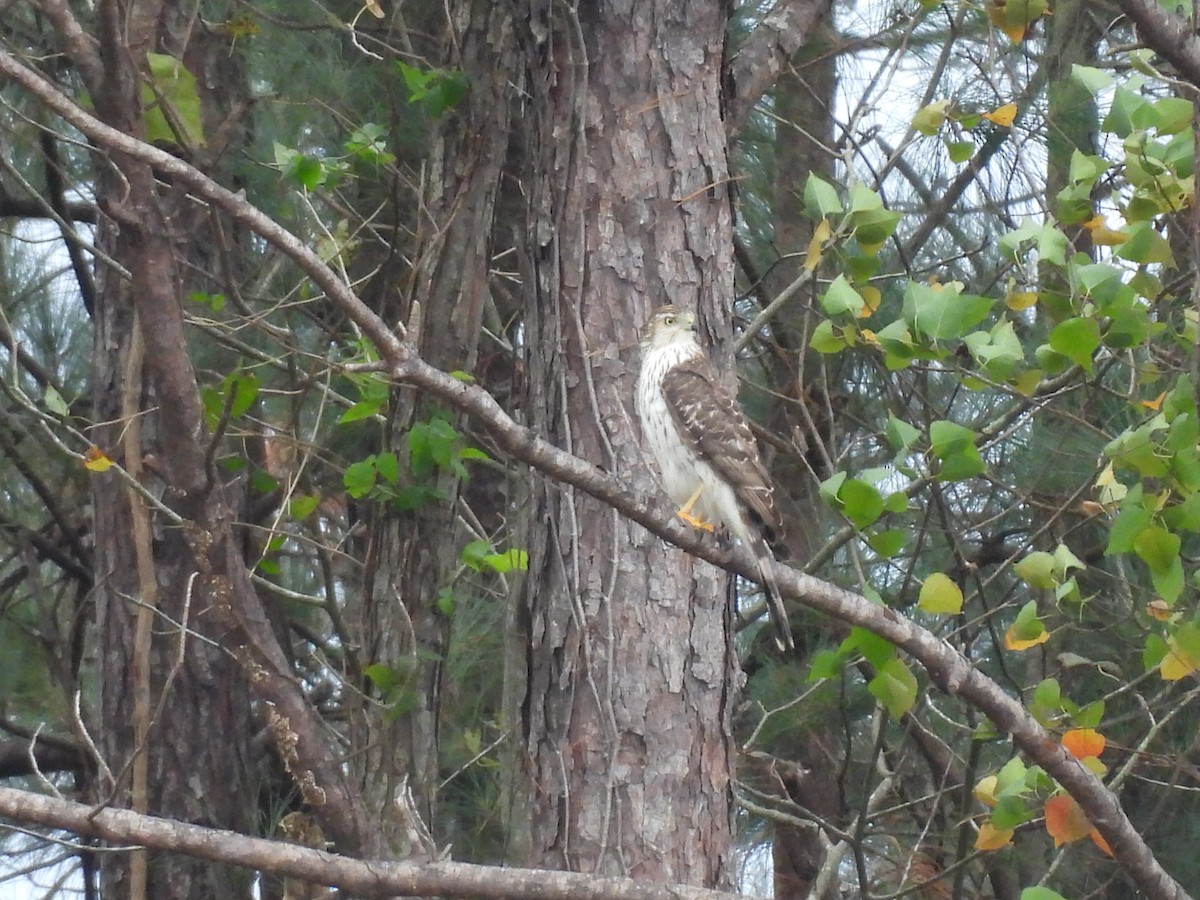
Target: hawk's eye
668,320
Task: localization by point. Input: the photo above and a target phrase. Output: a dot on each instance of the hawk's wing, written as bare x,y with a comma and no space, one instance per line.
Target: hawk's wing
711,422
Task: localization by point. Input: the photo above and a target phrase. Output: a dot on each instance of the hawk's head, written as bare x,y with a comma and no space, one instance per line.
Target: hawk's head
669,325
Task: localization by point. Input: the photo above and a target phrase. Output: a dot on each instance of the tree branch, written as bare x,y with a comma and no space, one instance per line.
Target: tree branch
755,67
1169,35
947,668
362,878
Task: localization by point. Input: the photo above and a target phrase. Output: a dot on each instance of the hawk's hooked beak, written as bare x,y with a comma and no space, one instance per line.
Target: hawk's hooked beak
688,321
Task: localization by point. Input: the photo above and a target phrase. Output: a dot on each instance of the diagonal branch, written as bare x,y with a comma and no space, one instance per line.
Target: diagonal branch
947,668
756,66
1169,35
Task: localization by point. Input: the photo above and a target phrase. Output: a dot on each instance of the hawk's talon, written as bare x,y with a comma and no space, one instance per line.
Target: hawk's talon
685,513
696,521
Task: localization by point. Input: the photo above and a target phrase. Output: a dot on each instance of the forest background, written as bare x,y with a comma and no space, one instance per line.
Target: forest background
325,517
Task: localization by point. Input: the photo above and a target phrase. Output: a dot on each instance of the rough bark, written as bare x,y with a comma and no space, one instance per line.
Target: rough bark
630,668
185,689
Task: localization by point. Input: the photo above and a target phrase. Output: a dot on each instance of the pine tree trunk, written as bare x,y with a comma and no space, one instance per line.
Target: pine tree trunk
193,761
630,669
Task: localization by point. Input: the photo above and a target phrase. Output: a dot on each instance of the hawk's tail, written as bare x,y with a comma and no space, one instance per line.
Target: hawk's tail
779,616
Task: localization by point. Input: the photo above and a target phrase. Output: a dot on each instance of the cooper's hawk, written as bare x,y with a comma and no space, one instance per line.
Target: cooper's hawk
705,451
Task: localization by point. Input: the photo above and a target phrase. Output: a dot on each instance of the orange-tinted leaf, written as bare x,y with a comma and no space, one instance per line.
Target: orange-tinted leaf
1012,642
1102,235
1099,841
1065,821
1003,115
94,460
1156,403
992,838
1091,508
1158,609
1083,742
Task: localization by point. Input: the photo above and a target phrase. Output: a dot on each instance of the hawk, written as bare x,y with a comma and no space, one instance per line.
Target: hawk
705,452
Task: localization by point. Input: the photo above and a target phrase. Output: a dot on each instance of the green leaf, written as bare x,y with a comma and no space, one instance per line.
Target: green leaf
955,446
1172,114
929,119
1077,339
1146,246
474,554
512,560
960,151
171,84
54,401
875,649
244,387
825,339
445,602
900,434
889,542
894,686
940,312
1040,893
1159,550
1037,570
1095,80
1028,626
940,595
841,298
821,198
303,506
363,409
825,664
861,502
359,478
1011,811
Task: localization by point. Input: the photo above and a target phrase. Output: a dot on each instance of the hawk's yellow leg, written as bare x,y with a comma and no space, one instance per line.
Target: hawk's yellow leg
685,512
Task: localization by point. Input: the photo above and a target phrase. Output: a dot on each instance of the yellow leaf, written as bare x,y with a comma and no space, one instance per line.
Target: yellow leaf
1012,642
374,8
939,594
1003,115
992,838
1177,663
868,337
871,300
821,233
1102,234
94,460
1020,300
985,791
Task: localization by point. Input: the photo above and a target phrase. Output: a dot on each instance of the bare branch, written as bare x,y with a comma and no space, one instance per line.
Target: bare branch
363,878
